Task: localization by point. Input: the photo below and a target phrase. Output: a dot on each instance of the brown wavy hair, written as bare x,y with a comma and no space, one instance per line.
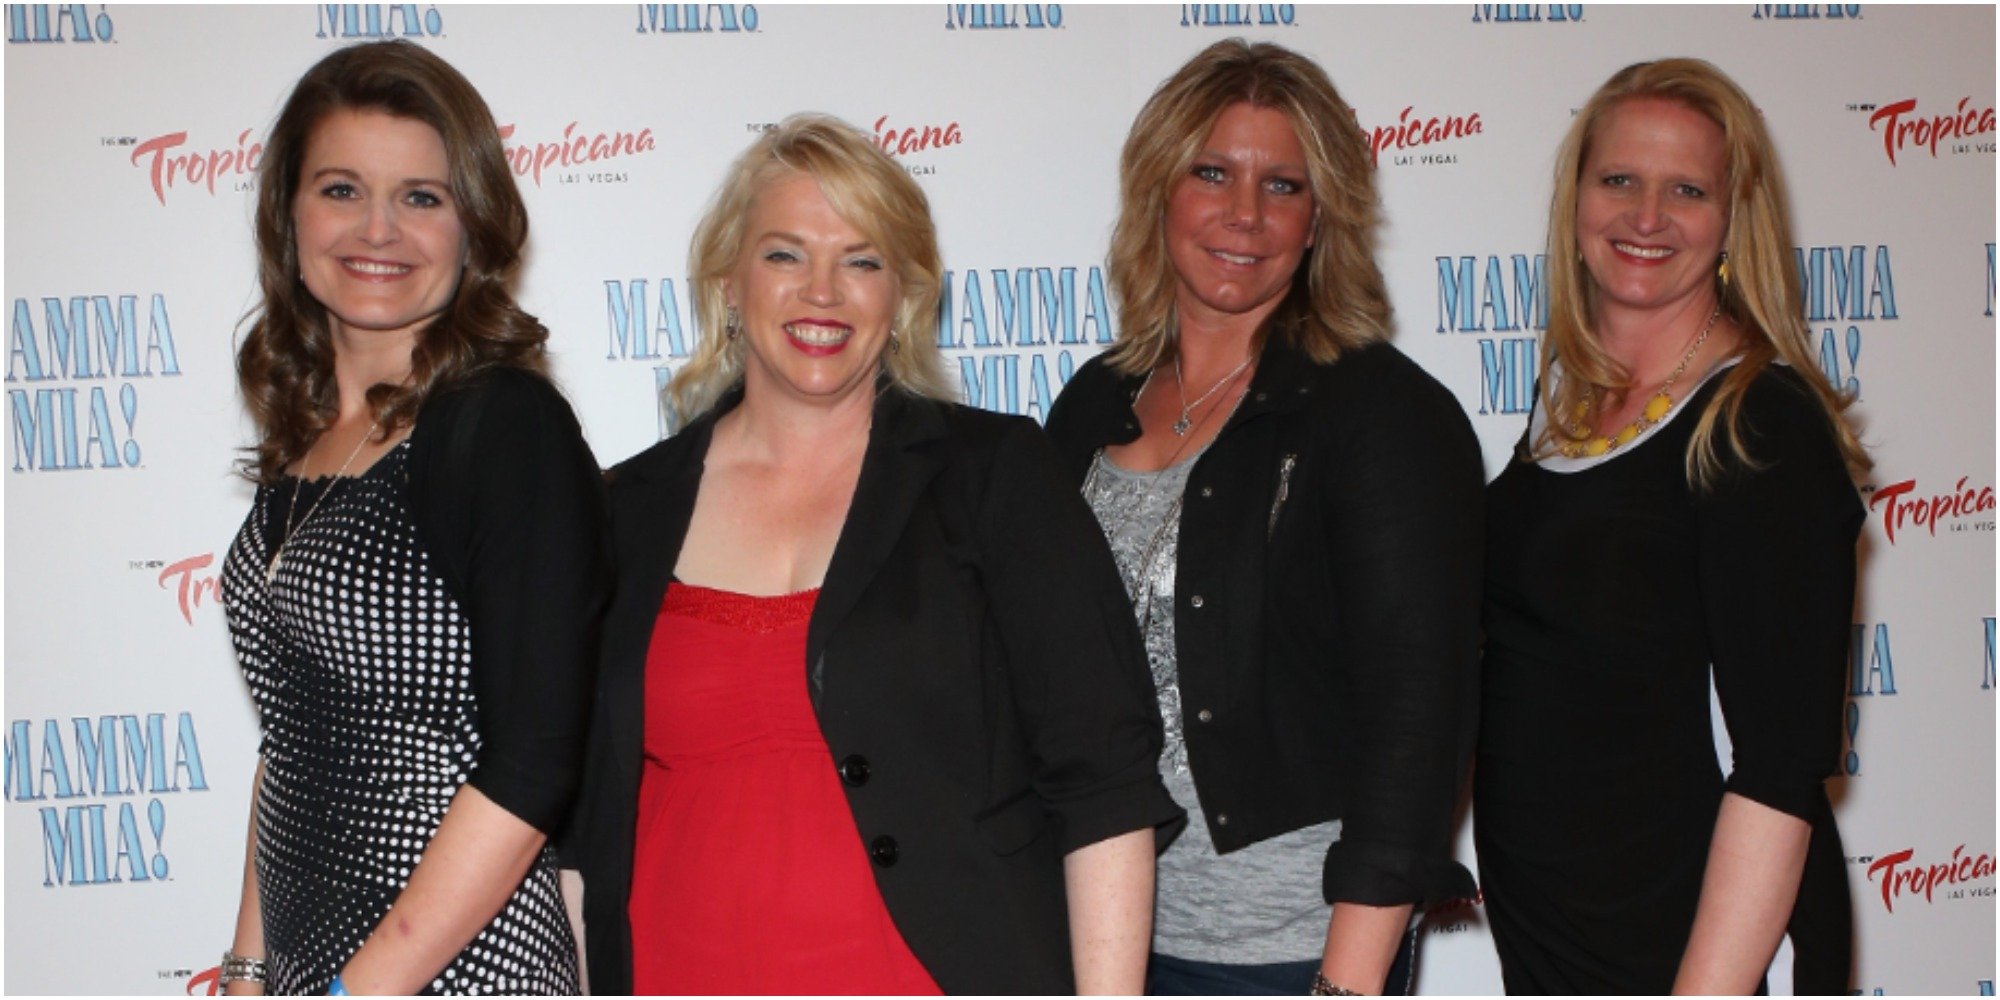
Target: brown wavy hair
284,367
1762,296
1338,300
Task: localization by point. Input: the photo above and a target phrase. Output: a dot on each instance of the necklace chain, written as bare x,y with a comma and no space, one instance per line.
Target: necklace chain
1182,425
1136,588
291,530
1655,410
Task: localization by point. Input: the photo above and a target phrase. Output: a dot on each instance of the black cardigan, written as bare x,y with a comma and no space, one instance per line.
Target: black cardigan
1326,609
507,497
971,644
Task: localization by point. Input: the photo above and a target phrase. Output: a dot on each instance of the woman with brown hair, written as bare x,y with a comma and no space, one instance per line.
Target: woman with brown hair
1295,509
1680,509
413,597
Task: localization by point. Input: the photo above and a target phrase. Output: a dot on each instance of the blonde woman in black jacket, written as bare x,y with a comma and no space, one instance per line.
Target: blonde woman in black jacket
1295,508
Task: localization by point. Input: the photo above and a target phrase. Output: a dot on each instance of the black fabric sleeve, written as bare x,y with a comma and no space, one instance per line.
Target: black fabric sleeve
1077,668
1401,498
1777,589
522,517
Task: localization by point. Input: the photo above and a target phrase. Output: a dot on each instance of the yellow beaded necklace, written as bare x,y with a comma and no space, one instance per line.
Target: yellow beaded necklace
1656,408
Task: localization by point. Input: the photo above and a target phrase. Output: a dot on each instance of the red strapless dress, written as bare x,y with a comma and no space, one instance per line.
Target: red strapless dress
749,876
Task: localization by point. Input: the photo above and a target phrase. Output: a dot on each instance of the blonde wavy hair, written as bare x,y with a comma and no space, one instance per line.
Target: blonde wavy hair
1761,297
868,190
1338,300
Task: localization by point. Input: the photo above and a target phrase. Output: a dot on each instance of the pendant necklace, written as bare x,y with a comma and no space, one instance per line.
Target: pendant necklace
1181,426
291,530
1655,410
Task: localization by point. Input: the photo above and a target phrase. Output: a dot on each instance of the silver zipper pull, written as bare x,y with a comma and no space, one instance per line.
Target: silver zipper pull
1285,466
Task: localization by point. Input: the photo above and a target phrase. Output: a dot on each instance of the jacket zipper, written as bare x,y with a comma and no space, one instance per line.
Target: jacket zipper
1285,466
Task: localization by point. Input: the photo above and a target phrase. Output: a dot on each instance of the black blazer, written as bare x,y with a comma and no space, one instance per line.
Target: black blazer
1326,621
976,672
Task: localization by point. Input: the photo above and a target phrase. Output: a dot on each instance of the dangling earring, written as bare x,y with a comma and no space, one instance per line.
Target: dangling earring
730,326
1722,270
895,342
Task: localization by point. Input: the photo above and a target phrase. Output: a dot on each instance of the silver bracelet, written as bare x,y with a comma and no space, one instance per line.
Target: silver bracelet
1323,988
238,969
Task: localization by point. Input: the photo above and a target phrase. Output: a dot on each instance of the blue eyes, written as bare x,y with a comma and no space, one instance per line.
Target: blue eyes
1209,173
779,256
1688,191
415,197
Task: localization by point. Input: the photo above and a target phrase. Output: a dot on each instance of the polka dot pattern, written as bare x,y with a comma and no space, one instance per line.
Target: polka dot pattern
360,664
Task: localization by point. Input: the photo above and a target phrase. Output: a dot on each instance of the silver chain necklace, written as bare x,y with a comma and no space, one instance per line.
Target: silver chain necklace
1181,426
292,530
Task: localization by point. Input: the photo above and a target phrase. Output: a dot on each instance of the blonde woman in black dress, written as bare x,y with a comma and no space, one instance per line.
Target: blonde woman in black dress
1680,507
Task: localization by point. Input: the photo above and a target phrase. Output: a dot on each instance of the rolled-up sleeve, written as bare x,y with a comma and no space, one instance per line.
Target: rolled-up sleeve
1402,504
536,581
1077,668
1777,564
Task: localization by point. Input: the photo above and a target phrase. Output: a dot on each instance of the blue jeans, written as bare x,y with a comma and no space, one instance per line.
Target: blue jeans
1170,976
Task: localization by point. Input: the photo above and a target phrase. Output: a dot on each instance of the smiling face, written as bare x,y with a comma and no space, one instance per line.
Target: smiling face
1652,208
379,242
815,298
1241,218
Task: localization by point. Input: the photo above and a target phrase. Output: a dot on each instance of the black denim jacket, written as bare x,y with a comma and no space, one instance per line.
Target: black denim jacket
1327,605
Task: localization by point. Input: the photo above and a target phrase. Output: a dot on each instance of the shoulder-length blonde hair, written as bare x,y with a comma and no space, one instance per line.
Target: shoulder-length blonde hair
284,367
1338,301
868,190
1761,295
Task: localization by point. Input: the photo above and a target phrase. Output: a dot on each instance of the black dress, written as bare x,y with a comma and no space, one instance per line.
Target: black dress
361,660
1610,592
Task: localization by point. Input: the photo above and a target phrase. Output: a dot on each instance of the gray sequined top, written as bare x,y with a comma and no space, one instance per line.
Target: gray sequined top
1261,904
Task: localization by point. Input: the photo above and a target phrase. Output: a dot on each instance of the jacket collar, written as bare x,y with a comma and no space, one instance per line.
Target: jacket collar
1283,382
904,454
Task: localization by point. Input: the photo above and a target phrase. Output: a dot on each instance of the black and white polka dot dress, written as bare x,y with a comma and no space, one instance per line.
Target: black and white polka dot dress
359,662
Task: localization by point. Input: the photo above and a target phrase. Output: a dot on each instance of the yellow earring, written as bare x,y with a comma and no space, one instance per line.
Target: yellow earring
1722,270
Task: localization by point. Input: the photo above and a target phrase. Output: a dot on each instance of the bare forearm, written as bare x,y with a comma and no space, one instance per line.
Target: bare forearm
248,941
468,872
1361,944
1110,888
1754,864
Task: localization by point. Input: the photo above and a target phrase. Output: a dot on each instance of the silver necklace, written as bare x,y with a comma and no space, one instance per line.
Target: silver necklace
1181,426
291,530
1136,588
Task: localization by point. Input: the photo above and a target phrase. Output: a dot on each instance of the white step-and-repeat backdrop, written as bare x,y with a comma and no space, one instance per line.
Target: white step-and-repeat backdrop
132,138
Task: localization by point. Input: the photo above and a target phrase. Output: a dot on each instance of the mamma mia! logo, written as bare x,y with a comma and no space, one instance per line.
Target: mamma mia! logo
1486,298
343,21
1237,15
691,18
1018,333
61,380
1525,13
987,16
122,758
32,23
1851,284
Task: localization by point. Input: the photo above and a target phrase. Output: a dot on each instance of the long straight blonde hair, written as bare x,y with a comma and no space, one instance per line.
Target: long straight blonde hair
1761,295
